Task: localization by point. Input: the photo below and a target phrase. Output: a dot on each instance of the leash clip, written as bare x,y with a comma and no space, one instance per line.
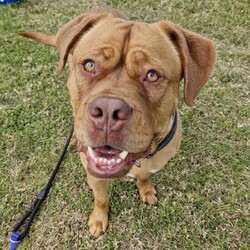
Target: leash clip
137,163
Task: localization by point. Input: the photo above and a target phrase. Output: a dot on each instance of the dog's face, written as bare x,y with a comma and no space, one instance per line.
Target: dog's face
124,84
127,81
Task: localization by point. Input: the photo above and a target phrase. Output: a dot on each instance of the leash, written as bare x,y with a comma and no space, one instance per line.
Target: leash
17,236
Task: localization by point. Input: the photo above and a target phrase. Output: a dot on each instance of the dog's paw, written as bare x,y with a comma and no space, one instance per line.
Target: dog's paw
98,224
147,191
149,195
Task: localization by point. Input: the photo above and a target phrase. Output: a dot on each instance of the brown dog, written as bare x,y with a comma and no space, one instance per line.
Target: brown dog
124,88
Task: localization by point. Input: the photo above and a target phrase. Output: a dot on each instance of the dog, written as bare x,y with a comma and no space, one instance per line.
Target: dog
124,90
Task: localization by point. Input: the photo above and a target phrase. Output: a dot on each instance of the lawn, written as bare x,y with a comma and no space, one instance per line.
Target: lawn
203,192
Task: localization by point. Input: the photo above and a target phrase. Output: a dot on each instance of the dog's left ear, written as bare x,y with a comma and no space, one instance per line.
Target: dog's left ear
197,55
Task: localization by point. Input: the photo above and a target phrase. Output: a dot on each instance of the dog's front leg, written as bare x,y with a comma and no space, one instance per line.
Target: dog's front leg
98,220
146,189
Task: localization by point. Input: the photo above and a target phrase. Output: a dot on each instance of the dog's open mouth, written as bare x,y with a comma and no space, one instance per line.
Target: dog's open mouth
107,162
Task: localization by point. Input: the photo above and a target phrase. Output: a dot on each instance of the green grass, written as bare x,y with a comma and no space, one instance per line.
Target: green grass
203,192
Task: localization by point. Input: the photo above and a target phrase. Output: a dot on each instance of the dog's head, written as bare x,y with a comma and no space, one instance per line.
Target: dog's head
124,83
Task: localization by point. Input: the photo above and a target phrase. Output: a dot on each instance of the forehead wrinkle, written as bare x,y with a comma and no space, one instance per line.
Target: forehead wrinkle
115,34
145,41
126,42
154,44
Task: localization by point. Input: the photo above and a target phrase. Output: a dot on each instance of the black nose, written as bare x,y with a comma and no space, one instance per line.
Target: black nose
108,113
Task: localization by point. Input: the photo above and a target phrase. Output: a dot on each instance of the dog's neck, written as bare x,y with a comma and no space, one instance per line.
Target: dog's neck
167,139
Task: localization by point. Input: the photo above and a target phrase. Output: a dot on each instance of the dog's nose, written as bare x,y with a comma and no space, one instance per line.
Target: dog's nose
108,113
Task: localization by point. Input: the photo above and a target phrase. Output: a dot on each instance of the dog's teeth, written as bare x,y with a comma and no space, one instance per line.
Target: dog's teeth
109,162
91,152
95,160
101,160
105,160
123,155
112,160
118,161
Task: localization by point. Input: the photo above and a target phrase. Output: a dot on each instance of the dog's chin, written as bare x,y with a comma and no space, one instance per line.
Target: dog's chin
106,162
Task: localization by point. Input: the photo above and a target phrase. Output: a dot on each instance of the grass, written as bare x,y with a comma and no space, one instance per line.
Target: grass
203,192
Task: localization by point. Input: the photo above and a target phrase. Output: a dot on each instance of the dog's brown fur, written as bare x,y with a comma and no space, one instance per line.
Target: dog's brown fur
123,52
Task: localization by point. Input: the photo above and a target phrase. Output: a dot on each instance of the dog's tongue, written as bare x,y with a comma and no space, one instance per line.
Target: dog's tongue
107,162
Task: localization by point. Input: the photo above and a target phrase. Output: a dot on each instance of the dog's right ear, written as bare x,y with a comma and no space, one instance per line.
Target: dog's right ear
68,35
71,32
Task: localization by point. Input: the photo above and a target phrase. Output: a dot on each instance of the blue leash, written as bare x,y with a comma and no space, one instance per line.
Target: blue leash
17,236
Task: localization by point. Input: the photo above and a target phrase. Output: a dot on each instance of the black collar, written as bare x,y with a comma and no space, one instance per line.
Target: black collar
166,140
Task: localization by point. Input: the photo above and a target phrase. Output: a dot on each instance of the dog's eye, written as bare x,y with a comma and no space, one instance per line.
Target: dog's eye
89,66
152,76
